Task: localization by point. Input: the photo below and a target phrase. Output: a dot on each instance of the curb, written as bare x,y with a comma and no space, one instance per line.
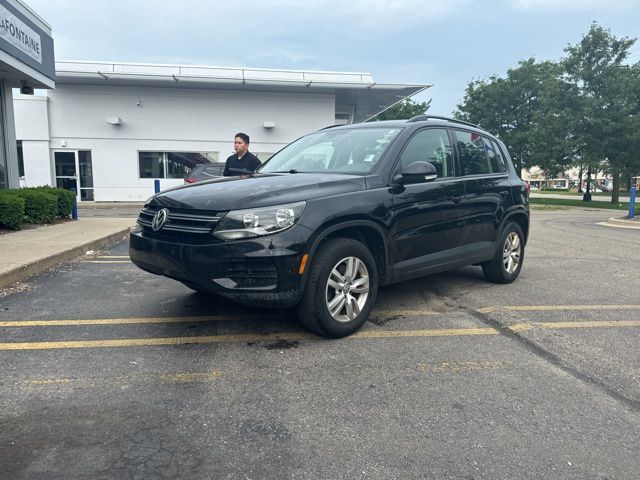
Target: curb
624,223
25,271
109,205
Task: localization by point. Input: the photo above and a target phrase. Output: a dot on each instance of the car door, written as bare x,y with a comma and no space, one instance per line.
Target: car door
487,190
427,217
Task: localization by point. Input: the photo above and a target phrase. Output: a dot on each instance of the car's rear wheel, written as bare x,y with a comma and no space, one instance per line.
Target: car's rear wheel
341,289
506,265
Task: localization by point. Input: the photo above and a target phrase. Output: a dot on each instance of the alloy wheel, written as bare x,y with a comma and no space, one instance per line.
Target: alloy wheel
347,289
511,253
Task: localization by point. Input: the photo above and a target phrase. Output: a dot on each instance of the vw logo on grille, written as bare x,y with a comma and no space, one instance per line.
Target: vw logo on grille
159,219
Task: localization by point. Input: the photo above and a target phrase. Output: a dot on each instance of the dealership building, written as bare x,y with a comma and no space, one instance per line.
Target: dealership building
26,63
108,130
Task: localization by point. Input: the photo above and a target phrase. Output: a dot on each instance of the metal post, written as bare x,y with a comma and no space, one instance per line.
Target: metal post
632,201
156,185
74,209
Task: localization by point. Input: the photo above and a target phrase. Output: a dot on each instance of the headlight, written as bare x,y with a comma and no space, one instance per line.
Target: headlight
256,222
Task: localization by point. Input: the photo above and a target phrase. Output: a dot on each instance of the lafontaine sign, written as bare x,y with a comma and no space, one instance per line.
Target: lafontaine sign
18,34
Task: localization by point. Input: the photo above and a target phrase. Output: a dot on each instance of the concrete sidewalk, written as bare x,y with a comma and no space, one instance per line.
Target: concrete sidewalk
27,252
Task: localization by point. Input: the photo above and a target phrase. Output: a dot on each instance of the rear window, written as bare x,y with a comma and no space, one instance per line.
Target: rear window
479,155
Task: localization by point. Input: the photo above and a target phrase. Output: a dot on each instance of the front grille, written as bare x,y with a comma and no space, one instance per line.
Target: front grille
188,226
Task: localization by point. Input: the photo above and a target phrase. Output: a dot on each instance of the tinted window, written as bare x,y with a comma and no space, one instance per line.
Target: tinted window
432,146
479,155
497,161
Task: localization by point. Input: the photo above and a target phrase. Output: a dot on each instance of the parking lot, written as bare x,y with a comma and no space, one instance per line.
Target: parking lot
110,372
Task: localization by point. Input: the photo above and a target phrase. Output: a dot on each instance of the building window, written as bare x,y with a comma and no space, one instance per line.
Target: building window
171,164
343,119
20,159
263,156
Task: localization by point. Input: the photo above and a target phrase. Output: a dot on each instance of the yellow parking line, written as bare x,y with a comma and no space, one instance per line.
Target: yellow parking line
439,332
366,334
552,308
404,313
124,321
112,256
188,377
520,327
194,319
130,342
106,261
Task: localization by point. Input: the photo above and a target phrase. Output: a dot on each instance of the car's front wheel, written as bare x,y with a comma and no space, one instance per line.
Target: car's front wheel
506,265
341,289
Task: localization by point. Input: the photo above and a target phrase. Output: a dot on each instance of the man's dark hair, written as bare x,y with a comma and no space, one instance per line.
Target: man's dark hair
243,136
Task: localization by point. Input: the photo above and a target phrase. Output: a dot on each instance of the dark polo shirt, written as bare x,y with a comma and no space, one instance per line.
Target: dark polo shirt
241,166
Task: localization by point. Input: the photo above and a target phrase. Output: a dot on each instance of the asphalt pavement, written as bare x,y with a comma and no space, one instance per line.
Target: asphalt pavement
100,225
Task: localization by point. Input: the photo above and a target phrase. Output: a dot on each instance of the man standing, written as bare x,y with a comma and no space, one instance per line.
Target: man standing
242,162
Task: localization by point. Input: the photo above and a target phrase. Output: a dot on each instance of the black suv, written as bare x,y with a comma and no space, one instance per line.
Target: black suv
338,213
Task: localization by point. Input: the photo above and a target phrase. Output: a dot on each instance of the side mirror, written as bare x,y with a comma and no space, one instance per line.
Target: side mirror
417,172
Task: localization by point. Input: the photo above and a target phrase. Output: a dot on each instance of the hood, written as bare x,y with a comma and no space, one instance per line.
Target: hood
233,193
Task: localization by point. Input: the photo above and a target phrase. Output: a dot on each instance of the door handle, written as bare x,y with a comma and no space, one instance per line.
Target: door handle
455,198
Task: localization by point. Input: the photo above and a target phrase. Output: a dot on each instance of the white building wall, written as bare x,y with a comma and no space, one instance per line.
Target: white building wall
171,119
32,127
37,165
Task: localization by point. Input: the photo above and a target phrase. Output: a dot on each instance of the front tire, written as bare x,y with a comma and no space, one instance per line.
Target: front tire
506,265
341,289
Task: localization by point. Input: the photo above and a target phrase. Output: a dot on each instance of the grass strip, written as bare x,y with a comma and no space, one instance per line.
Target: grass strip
579,203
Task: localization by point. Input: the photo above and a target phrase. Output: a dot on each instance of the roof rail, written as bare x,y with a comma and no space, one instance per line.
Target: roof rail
420,118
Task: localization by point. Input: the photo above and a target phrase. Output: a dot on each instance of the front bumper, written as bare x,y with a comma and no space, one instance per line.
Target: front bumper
261,271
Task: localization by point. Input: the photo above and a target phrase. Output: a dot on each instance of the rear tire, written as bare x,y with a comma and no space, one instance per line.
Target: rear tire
341,289
506,265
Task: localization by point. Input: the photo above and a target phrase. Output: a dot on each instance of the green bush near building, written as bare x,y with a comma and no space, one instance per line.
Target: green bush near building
36,205
11,210
65,199
39,206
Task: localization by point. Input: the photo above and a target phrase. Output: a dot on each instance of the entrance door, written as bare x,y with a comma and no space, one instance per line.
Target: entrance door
74,172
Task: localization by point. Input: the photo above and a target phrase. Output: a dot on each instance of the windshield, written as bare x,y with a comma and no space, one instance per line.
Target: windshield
335,151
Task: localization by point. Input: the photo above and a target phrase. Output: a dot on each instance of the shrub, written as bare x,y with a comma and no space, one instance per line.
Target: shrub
11,210
39,206
64,197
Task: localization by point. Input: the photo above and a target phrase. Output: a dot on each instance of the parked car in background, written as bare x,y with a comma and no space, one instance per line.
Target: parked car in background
205,171
340,212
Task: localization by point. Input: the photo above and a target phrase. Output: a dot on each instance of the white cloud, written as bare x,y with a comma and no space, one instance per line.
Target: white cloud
574,5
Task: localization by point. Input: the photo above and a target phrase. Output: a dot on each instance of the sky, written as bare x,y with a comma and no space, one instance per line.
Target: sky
444,43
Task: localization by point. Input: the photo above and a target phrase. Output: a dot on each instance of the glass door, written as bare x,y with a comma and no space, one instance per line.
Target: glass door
86,175
66,171
74,172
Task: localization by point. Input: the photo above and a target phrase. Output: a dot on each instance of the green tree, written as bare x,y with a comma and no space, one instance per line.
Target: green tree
512,108
605,118
404,109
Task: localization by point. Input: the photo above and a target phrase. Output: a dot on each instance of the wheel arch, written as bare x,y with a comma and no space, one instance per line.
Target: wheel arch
521,218
366,232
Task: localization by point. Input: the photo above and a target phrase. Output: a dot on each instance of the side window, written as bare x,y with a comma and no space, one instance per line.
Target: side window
474,154
498,164
430,145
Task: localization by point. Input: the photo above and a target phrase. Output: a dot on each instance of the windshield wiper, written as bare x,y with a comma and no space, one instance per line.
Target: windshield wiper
293,170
